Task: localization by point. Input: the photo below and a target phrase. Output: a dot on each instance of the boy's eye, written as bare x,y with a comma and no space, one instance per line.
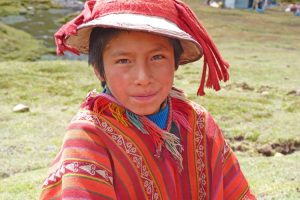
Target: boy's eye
157,57
122,61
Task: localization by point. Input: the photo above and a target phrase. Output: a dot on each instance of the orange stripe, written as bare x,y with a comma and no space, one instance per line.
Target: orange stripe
237,183
86,154
176,177
241,189
230,162
205,160
217,149
191,157
141,147
123,175
80,134
118,131
88,183
51,191
247,192
130,161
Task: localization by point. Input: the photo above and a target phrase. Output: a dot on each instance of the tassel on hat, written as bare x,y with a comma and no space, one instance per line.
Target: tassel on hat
218,67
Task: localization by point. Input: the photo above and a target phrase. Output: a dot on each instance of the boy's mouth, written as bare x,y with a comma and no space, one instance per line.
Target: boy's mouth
144,97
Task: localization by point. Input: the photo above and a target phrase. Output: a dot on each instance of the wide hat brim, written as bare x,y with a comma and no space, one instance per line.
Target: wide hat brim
192,50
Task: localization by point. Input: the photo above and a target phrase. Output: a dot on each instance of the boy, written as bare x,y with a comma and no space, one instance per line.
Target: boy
141,138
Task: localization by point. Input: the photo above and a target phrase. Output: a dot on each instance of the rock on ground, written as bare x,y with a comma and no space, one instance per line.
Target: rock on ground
21,108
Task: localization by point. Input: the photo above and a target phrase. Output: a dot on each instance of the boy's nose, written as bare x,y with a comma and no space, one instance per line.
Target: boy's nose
143,74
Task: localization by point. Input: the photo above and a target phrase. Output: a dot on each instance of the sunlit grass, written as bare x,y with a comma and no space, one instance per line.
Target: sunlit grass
273,177
18,45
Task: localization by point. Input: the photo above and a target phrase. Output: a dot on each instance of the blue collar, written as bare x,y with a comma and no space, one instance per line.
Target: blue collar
160,118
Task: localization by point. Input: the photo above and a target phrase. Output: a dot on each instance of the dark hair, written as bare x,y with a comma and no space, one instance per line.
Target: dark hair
100,37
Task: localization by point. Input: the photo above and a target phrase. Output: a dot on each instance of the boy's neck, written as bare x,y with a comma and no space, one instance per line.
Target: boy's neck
160,117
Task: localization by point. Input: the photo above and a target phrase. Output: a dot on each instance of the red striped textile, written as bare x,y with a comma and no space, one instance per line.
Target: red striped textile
103,159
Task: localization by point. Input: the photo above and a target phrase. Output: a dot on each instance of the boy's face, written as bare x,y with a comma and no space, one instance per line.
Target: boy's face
139,70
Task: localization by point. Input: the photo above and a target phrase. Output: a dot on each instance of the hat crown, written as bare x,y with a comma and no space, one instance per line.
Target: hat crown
160,8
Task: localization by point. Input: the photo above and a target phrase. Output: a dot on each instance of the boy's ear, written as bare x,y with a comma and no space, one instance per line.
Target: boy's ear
101,78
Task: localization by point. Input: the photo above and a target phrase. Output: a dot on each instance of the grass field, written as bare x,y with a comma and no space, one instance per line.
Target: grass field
254,110
8,7
13,48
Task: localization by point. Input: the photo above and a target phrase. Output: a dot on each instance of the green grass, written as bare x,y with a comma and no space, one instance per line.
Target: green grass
16,7
273,177
263,50
264,56
53,91
253,111
19,45
22,185
29,141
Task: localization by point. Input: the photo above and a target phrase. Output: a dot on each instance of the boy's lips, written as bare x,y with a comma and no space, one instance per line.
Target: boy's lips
144,97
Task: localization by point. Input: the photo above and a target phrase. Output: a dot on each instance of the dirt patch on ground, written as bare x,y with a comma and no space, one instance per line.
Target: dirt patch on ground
294,92
264,88
243,86
283,148
239,143
4,175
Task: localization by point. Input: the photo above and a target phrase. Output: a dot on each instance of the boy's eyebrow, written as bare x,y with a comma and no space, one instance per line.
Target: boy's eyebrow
120,53
159,48
125,53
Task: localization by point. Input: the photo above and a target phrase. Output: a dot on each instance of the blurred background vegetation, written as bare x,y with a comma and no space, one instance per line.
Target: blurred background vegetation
258,110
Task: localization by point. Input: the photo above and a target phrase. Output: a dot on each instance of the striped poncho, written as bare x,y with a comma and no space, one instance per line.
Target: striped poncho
105,156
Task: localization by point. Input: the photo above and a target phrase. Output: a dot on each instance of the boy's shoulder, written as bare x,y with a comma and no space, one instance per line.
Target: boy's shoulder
182,102
203,118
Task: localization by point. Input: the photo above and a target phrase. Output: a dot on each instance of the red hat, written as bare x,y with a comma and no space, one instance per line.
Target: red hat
170,18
